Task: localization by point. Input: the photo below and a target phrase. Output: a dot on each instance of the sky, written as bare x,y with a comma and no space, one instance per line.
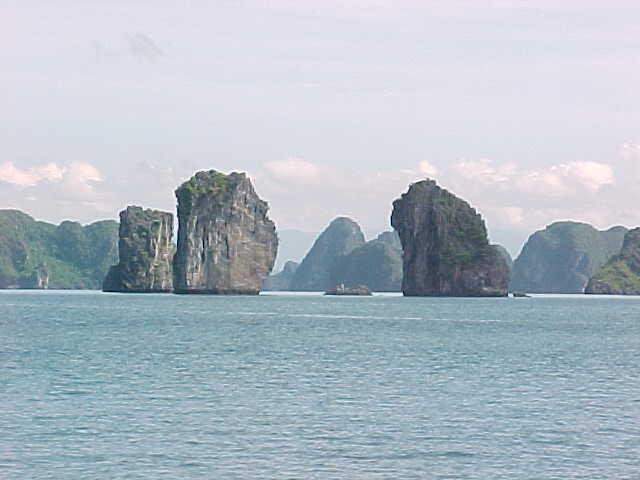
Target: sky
527,109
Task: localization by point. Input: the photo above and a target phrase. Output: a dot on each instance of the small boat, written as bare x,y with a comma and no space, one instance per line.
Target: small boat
342,290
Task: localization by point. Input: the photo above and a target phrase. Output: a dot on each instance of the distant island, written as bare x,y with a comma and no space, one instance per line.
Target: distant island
621,274
40,255
227,245
563,257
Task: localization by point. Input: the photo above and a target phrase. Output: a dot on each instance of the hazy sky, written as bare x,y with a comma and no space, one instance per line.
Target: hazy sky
528,109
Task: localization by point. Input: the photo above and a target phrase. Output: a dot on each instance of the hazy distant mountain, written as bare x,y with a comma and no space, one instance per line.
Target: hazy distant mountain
293,245
562,257
41,255
281,281
377,264
338,239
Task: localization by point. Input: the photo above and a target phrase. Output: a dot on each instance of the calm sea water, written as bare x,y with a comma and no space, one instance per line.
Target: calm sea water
107,386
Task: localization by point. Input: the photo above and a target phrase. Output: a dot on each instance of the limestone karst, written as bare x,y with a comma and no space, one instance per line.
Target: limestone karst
226,242
145,251
445,247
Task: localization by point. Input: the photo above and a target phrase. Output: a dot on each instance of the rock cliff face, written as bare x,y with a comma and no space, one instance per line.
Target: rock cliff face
562,257
226,242
67,256
376,264
145,249
281,281
506,255
621,274
446,251
338,239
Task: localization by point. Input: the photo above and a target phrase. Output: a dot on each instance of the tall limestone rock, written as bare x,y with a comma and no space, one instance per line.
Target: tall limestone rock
562,257
446,251
621,274
145,253
226,242
377,264
338,239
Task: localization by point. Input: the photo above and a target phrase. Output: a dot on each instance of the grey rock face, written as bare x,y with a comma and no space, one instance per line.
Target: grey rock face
281,281
226,242
445,246
338,239
145,253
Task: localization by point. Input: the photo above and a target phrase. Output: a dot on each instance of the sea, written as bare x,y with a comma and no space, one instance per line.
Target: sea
304,386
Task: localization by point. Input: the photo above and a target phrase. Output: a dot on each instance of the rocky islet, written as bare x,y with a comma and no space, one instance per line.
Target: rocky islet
226,242
145,251
446,251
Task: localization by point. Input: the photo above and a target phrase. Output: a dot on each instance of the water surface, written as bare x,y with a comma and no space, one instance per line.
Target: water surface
108,386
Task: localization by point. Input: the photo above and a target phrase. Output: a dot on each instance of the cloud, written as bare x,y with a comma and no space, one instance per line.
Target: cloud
484,171
591,175
29,177
294,169
80,178
560,180
427,169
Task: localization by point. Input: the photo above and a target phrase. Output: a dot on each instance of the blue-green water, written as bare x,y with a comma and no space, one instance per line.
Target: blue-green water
99,386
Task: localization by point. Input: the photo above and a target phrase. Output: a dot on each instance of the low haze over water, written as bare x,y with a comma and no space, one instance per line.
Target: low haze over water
304,386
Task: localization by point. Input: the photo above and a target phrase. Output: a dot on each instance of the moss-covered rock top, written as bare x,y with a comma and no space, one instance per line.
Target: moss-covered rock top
210,183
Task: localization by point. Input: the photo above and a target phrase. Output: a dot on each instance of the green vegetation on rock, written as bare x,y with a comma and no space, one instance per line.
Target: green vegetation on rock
68,256
621,274
562,257
211,183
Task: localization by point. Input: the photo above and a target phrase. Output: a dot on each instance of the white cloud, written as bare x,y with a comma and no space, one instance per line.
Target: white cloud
591,175
561,180
29,177
428,169
80,177
294,169
484,171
